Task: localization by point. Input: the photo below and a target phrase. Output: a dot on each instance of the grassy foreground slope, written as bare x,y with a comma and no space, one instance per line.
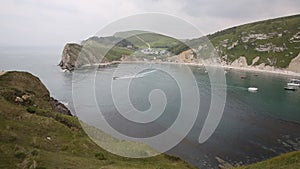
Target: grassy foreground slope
33,135
285,161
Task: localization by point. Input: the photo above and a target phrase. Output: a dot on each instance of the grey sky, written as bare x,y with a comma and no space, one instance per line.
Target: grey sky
55,22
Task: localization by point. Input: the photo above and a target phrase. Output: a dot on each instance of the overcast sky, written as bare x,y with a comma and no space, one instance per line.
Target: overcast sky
55,22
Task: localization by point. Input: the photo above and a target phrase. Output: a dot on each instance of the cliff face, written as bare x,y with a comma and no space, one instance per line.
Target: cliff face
69,56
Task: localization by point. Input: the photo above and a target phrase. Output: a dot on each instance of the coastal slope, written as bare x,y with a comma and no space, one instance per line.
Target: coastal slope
269,44
36,131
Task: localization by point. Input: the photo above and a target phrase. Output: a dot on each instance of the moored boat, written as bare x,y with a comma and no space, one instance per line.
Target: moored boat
294,82
252,89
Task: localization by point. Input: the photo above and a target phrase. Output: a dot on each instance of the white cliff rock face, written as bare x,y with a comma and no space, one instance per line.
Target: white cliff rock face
295,38
75,55
234,44
261,66
240,62
295,64
256,59
268,47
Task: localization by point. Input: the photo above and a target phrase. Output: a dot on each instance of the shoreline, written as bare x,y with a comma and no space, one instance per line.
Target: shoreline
225,67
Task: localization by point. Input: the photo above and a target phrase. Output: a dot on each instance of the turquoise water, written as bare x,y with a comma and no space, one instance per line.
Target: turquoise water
254,126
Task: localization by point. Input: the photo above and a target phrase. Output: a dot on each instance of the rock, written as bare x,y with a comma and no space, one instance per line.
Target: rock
69,56
59,107
75,56
26,97
295,64
261,66
19,100
186,56
256,59
2,72
240,62
234,44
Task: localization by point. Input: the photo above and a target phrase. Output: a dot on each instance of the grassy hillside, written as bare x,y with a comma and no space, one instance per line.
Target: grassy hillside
275,41
129,45
33,135
285,161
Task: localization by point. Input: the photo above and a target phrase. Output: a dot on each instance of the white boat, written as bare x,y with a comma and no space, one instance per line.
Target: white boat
294,82
252,89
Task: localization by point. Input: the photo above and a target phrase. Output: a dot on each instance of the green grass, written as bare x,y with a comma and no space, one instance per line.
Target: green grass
285,161
112,48
107,49
34,136
287,26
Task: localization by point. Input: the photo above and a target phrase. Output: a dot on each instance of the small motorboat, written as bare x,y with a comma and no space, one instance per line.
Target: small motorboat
294,82
243,77
252,89
115,77
291,88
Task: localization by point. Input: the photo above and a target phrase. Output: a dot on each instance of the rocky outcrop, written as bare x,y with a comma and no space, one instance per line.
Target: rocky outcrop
69,56
255,60
24,89
240,62
75,56
59,107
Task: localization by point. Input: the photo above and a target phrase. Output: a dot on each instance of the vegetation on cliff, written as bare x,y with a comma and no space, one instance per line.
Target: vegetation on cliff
286,161
33,134
274,42
136,45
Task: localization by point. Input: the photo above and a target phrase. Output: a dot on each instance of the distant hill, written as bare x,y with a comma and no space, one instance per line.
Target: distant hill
131,45
274,42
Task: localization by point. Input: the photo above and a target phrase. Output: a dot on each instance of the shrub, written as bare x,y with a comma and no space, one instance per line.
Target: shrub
34,152
31,109
100,156
12,138
20,156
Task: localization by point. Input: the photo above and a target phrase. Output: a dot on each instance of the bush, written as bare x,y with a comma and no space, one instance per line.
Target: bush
100,156
31,109
34,152
20,156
